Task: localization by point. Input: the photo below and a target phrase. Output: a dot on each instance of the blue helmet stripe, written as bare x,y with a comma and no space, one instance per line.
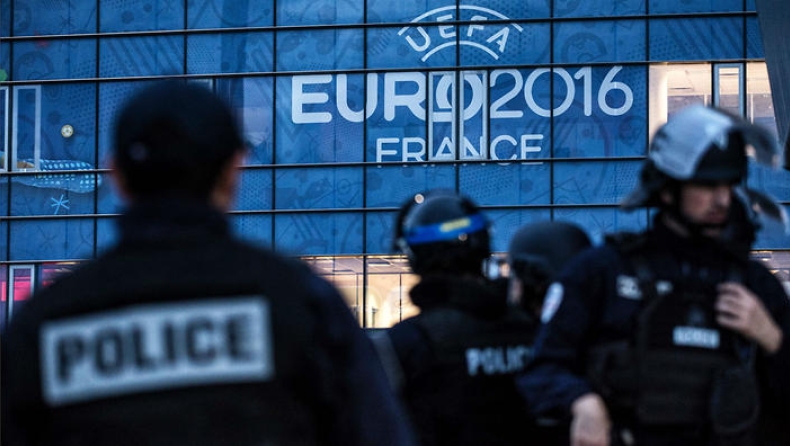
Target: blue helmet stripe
448,230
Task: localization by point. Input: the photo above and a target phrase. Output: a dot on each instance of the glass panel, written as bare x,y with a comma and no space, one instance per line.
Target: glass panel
509,43
5,57
774,182
5,31
584,42
5,124
26,128
3,296
516,130
323,117
230,53
109,201
253,100
4,207
605,182
412,46
51,239
319,50
597,9
387,294
55,131
728,87
754,39
319,12
505,223
106,233
34,199
599,222
396,128
380,231
393,185
350,286
679,6
318,233
759,101
318,188
111,96
230,13
394,12
599,112
48,273
254,228
506,184
44,17
524,9
55,59
772,237
141,16
255,190
141,56
22,284
674,87
696,39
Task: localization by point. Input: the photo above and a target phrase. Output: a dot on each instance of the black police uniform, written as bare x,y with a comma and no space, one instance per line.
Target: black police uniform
183,334
655,389
456,361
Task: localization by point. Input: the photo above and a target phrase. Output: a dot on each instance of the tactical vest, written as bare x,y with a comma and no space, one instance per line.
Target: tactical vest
670,371
467,394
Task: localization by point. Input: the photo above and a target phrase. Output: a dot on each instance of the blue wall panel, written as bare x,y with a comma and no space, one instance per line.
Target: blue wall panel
45,17
52,239
696,39
229,13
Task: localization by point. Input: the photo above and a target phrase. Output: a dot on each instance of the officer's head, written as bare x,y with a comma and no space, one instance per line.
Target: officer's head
175,138
694,163
536,253
442,232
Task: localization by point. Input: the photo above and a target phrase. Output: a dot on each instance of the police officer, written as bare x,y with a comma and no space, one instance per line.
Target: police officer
537,252
673,336
454,362
182,333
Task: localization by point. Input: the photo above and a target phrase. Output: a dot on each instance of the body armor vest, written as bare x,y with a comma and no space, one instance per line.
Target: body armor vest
667,372
466,394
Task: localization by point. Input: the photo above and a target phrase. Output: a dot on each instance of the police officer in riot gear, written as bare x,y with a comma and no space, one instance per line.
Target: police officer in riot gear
182,333
536,253
453,363
673,336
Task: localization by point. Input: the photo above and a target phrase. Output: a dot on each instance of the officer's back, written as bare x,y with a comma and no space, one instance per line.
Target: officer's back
182,334
454,362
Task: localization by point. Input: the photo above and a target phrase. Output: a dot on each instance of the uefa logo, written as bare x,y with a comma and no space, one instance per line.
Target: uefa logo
487,30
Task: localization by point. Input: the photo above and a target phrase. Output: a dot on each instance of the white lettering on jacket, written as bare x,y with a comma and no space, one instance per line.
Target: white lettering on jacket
156,347
696,337
497,360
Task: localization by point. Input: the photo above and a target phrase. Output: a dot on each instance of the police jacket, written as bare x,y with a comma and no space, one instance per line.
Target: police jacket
598,300
456,361
182,334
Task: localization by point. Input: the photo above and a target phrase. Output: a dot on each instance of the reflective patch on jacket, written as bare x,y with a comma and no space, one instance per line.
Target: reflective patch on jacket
156,347
551,302
696,337
628,287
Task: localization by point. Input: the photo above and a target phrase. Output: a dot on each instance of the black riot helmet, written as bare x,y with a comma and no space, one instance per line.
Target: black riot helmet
537,252
700,144
442,232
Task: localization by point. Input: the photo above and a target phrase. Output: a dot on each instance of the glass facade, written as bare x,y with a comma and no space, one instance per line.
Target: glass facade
534,109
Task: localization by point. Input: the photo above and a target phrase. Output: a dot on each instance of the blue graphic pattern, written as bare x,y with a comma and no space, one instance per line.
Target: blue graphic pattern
545,138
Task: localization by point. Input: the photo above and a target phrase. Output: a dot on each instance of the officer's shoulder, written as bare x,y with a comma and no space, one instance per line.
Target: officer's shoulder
626,242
